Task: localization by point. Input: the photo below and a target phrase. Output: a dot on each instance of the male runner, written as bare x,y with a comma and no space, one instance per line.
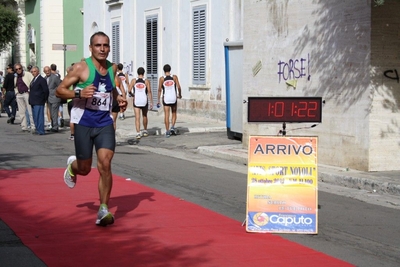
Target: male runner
141,91
170,89
91,114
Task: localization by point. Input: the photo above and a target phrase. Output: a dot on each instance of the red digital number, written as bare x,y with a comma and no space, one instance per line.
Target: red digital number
302,110
279,109
269,109
311,110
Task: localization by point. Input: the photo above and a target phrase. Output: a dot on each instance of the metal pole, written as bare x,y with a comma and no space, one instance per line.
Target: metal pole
65,60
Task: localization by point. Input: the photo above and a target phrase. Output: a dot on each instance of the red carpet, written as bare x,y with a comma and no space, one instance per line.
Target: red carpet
151,227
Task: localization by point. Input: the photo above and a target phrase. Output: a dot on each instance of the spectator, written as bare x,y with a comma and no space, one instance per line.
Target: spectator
54,70
53,102
70,103
39,93
9,95
22,81
1,93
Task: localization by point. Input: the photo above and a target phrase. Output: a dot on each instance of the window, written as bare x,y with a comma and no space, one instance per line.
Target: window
115,43
199,45
151,54
151,45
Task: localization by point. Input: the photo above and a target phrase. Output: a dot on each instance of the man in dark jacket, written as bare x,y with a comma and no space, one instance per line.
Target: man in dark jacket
39,92
53,81
9,94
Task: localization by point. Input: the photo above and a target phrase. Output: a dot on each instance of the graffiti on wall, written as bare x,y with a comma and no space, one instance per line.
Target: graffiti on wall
294,69
392,74
128,67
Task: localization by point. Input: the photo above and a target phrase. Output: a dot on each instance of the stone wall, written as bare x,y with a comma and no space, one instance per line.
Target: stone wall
384,119
326,47
203,108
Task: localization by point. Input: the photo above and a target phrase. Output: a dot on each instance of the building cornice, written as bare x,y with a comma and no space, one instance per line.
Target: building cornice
114,2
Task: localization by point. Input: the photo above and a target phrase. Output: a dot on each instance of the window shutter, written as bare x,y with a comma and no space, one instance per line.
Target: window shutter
151,54
199,45
115,43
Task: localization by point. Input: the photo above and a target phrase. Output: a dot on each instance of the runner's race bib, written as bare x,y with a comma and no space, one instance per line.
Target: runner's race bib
99,101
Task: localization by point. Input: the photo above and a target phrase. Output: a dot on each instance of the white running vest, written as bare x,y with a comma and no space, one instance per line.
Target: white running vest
169,90
140,93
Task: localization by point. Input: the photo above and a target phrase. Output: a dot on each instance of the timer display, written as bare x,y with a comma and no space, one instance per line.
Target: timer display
284,109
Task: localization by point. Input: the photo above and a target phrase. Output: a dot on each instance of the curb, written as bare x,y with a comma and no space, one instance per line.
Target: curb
366,183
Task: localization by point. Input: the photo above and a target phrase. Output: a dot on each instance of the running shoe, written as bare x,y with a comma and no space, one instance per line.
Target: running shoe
172,130
138,136
167,134
68,179
145,133
104,217
71,138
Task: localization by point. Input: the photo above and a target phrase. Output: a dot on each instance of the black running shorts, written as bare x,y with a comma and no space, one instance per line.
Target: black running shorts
169,105
86,137
115,106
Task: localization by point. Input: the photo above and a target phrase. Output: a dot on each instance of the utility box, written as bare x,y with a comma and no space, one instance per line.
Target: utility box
234,89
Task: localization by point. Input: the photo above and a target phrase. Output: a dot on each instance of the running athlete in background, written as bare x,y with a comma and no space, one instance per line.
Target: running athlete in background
124,84
170,88
141,91
115,106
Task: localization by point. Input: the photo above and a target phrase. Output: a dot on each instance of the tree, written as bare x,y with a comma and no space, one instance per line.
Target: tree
9,24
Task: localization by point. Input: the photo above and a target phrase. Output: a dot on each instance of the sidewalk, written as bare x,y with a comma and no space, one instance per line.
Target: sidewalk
378,182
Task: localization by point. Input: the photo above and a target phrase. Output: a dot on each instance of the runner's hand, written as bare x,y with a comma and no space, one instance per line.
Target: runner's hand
122,103
88,91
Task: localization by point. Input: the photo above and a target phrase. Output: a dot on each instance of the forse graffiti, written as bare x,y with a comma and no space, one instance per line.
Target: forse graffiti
294,69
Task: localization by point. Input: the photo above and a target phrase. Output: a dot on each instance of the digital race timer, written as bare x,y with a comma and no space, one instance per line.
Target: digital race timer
284,109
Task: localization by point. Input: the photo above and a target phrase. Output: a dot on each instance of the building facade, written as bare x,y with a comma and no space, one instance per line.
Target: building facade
181,33
46,26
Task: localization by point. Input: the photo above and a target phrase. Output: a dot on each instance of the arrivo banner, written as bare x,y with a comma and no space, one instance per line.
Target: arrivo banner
282,189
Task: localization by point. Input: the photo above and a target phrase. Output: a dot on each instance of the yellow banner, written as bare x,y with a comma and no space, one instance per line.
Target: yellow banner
282,185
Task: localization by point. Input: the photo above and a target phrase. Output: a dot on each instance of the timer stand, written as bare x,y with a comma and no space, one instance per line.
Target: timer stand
283,131
284,109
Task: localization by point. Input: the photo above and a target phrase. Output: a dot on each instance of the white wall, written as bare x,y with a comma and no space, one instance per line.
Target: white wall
360,117
175,41
51,16
384,123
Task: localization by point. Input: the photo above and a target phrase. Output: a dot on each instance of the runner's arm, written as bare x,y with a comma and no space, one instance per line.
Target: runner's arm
178,86
73,77
149,94
160,82
127,79
130,87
